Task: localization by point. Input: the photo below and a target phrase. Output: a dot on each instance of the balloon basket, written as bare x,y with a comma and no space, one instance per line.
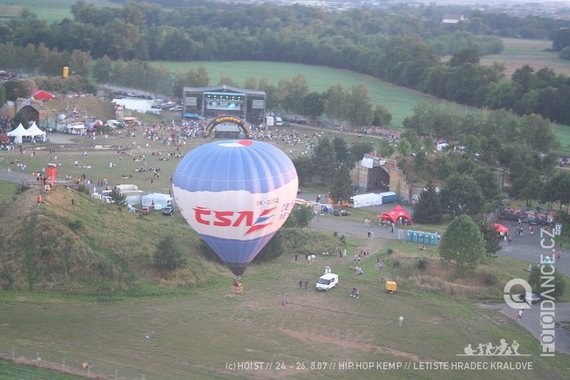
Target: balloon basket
237,287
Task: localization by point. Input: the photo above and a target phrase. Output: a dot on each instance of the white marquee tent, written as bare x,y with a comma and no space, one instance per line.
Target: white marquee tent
32,132
17,134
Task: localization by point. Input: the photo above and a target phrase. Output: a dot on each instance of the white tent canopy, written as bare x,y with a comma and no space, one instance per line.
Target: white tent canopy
18,133
34,132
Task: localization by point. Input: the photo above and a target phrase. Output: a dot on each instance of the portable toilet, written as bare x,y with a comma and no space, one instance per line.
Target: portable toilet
391,287
433,239
421,236
414,236
408,235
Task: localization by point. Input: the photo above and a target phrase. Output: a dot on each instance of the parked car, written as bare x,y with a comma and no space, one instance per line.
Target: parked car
145,210
341,212
168,211
529,297
327,281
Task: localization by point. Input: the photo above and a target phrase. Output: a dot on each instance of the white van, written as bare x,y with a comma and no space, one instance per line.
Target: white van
327,281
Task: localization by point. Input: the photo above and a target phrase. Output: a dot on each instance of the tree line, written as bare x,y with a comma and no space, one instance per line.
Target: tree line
401,48
351,105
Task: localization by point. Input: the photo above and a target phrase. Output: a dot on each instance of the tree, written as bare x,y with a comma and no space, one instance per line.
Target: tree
404,147
358,150
324,161
169,255
557,285
538,132
228,81
386,149
117,197
313,105
80,63
271,93
2,95
557,188
428,208
341,150
17,89
293,93
342,188
488,183
359,107
565,53
463,243
102,69
250,83
465,56
561,39
491,237
300,217
381,116
335,101
461,195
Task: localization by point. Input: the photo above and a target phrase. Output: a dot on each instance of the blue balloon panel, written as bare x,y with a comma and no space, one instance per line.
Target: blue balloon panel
236,253
248,165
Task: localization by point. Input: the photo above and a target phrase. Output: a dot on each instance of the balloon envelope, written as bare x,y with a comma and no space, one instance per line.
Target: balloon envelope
236,195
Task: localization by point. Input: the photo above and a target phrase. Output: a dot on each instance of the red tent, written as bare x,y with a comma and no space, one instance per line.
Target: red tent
42,95
500,228
395,214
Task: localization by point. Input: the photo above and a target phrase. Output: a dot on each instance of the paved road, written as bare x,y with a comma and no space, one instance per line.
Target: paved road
15,177
527,247
531,321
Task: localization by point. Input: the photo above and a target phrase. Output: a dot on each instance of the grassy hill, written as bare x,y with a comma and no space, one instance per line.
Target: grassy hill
75,244
88,246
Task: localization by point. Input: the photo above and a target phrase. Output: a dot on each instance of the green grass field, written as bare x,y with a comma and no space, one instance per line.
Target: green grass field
51,11
13,371
563,134
202,334
536,53
400,101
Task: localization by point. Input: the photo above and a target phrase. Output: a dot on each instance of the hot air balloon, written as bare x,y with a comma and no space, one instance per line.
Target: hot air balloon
236,195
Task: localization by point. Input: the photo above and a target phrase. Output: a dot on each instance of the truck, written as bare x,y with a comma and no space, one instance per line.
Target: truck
278,121
270,121
327,281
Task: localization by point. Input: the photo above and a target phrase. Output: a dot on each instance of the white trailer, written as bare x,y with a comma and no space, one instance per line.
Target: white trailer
156,200
365,200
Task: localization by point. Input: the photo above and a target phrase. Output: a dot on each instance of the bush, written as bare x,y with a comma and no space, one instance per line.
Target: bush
396,264
422,264
83,189
390,251
76,225
168,255
490,279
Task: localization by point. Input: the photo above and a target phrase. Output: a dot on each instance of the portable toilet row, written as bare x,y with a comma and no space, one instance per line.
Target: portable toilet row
421,237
